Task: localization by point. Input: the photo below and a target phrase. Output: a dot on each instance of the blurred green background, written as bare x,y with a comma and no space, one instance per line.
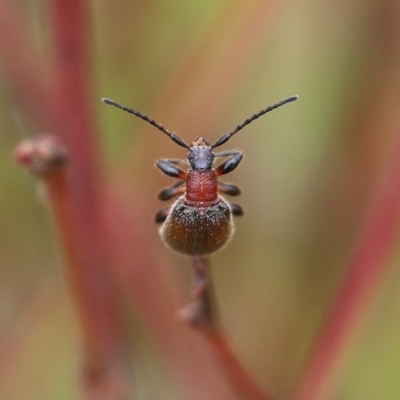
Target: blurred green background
309,169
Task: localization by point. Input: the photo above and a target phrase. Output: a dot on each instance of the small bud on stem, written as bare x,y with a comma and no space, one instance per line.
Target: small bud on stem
41,155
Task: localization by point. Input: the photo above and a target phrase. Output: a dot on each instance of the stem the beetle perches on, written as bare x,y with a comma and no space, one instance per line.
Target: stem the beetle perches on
200,313
201,316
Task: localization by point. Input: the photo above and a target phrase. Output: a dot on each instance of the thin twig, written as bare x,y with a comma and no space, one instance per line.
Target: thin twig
370,259
199,313
366,267
201,316
104,375
76,200
73,192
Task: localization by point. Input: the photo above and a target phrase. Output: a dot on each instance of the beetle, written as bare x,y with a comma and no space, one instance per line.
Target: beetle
200,221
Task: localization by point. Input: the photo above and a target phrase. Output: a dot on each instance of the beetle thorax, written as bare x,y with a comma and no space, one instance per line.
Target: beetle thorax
201,188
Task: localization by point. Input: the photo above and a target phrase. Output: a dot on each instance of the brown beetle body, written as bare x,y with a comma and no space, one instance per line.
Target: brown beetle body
196,231
200,221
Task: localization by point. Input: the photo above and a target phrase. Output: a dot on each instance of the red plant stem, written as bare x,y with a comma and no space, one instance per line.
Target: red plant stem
200,316
98,328
71,96
238,376
377,237
74,195
46,157
93,290
366,267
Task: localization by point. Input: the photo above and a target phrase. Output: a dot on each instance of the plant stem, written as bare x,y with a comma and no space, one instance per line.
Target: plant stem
200,316
91,281
75,197
365,269
371,252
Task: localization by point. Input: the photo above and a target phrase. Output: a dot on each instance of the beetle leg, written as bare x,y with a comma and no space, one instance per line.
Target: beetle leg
169,168
228,188
172,191
236,209
161,215
230,163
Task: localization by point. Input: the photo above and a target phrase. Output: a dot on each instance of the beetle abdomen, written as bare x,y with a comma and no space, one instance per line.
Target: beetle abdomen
197,231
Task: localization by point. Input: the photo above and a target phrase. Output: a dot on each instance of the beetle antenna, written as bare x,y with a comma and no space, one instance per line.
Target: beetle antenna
224,138
175,138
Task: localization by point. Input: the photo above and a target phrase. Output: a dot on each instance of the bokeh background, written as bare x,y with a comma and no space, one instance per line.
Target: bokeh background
309,172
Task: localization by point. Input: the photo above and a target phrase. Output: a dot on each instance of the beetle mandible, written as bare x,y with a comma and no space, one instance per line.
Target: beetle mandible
200,221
